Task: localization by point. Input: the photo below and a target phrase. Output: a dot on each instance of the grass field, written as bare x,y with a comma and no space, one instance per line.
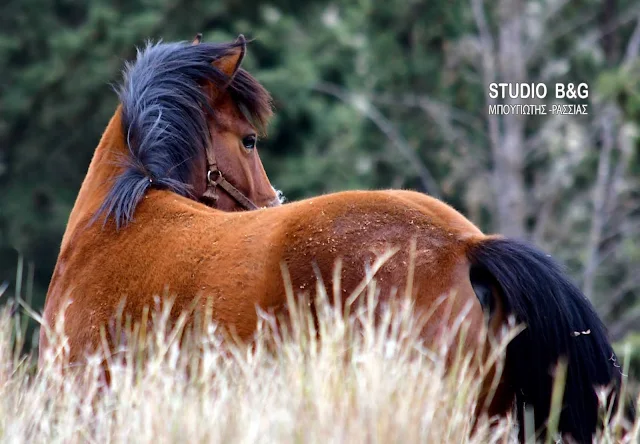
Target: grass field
364,382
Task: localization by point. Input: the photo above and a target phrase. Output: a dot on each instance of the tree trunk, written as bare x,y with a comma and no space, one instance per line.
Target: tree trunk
509,153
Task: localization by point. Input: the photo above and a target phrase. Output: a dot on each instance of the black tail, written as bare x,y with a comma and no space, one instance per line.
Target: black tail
560,322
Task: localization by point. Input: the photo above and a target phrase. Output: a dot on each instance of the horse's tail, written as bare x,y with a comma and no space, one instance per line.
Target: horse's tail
560,323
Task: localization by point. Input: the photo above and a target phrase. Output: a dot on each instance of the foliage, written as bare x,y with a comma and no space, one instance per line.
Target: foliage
632,343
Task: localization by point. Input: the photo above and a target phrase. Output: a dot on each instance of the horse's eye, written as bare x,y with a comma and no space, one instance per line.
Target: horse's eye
249,142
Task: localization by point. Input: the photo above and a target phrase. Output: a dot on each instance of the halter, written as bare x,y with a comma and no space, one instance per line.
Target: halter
215,178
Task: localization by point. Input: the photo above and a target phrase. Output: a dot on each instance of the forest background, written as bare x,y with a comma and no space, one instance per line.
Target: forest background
368,94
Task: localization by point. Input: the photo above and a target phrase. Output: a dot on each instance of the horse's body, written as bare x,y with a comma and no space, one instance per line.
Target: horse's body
176,245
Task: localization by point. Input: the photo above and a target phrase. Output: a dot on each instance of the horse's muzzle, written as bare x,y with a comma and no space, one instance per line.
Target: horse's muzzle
279,199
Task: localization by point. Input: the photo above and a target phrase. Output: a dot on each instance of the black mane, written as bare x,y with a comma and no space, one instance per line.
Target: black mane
164,118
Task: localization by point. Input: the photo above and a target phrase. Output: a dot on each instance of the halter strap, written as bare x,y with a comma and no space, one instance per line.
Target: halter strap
215,178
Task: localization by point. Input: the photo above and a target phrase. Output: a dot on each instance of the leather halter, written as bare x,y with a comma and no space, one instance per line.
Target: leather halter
215,178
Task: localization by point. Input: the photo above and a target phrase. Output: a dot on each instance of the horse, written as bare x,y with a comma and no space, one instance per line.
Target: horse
176,198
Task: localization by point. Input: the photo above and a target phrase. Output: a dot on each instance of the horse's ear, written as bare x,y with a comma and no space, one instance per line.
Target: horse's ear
197,39
230,63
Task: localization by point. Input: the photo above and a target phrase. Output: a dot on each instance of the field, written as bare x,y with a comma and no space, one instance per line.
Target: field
364,381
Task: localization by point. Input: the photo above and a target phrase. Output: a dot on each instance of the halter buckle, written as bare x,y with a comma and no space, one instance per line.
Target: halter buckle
212,181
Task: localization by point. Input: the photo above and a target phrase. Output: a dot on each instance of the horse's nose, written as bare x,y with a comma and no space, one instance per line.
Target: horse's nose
275,202
278,200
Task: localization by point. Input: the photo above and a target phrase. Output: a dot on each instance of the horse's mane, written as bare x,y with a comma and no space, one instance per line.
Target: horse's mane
164,118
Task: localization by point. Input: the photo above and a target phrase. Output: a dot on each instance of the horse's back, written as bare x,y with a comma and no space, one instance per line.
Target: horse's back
180,248
359,226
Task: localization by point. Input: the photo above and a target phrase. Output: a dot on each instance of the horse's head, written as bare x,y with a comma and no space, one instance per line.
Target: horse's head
229,175
190,117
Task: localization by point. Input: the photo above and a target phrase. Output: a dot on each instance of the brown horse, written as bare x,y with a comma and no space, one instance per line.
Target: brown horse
187,126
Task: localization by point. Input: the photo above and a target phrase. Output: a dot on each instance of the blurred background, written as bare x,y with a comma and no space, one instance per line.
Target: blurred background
368,94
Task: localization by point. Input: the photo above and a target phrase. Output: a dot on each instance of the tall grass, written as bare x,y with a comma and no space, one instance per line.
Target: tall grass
359,378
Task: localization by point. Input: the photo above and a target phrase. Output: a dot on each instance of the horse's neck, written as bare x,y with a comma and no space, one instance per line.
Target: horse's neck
102,170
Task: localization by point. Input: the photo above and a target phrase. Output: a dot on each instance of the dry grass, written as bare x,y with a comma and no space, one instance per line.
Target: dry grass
365,381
